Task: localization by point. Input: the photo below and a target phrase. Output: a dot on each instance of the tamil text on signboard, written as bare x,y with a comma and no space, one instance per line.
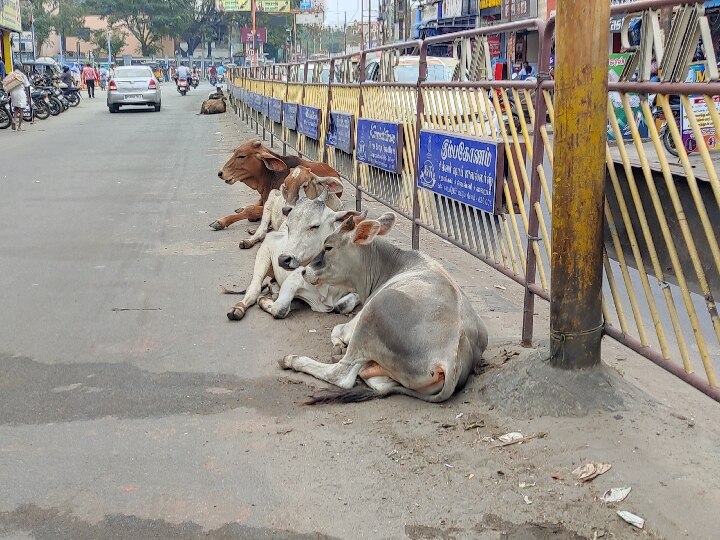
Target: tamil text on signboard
379,144
309,121
275,107
290,113
464,169
340,131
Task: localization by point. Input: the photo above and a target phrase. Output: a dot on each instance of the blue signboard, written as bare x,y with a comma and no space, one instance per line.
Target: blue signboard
275,107
340,131
379,144
464,169
309,121
290,111
264,105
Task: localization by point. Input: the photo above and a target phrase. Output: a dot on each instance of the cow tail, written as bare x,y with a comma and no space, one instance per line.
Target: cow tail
356,394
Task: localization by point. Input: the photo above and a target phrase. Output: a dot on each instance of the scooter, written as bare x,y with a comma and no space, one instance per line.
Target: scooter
182,86
665,134
213,80
5,111
195,81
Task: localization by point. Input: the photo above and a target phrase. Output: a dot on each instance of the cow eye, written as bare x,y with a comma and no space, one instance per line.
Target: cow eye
328,248
314,228
241,156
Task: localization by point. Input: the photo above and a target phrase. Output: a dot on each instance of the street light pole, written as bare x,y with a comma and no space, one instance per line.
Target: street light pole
576,323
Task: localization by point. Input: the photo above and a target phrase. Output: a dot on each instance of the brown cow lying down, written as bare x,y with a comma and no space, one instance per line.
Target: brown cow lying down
263,170
213,106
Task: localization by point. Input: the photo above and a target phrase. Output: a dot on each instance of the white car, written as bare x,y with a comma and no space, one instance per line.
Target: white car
133,85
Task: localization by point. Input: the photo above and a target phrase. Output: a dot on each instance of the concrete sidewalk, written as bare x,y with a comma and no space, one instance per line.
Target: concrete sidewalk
663,446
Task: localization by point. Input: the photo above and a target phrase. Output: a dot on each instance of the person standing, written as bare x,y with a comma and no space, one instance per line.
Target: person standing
20,98
3,73
103,77
88,77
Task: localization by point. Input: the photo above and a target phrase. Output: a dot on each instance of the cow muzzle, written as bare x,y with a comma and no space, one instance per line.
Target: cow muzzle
288,262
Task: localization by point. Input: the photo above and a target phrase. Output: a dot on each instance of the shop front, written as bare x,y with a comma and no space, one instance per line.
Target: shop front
521,46
9,22
489,13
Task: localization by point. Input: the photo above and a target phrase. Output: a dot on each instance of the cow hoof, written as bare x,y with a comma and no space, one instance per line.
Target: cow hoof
236,313
245,244
286,363
217,225
338,350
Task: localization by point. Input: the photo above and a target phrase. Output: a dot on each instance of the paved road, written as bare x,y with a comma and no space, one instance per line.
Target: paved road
124,388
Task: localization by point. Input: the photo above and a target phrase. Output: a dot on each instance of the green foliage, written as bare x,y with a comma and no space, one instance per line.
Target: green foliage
66,17
118,40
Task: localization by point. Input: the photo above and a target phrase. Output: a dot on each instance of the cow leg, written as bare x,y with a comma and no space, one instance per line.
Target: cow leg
242,208
381,384
340,336
263,263
251,213
342,374
347,303
280,307
259,234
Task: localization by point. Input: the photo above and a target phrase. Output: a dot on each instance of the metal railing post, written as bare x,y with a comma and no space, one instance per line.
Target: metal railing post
535,185
581,87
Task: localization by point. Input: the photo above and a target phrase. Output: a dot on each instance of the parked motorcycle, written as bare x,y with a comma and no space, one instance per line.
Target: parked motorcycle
5,111
182,86
665,134
40,104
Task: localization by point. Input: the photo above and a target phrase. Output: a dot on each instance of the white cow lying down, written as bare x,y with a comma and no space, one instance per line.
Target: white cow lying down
299,178
417,333
292,285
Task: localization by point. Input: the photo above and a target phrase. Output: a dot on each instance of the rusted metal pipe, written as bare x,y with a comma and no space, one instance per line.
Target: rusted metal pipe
579,184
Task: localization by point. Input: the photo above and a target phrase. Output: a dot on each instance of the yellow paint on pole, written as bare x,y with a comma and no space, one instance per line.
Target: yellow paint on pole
582,44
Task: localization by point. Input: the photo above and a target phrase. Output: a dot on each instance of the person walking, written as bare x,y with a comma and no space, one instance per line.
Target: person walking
88,77
19,97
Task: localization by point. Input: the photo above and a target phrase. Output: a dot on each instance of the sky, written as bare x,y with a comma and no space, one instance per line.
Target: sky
336,9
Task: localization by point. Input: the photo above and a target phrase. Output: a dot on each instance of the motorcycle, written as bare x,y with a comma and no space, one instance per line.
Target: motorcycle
5,111
40,104
182,86
195,81
213,80
665,134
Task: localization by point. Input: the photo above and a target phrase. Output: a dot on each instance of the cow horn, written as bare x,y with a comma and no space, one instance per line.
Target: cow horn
257,144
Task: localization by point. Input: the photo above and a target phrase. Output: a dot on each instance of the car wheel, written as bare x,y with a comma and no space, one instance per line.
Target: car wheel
113,108
157,107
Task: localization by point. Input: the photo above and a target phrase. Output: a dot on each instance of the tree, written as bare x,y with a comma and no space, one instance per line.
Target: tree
69,20
146,20
65,17
118,40
34,10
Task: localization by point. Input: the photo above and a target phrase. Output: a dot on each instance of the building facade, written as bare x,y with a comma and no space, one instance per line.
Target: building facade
9,23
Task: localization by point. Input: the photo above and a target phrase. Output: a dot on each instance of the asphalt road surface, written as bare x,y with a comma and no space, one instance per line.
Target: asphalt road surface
131,408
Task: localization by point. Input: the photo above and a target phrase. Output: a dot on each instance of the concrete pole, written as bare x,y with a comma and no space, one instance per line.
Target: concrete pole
582,37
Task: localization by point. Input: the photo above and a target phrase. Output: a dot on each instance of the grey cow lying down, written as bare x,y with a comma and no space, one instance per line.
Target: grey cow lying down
417,333
289,285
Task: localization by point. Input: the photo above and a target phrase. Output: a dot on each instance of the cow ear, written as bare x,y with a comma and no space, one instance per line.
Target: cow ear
387,220
286,210
345,214
273,163
333,184
348,225
366,231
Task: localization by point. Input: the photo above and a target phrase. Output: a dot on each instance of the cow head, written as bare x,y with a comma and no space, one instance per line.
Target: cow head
340,258
313,185
309,223
250,162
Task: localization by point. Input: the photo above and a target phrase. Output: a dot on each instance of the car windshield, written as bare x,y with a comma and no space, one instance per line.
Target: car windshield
408,73
131,73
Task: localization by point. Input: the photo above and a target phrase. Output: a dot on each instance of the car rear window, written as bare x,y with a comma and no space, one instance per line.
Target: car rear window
132,72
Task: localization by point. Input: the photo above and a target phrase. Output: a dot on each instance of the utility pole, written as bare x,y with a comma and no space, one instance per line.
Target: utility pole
369,25
362,38
345,32
253,60
576,321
